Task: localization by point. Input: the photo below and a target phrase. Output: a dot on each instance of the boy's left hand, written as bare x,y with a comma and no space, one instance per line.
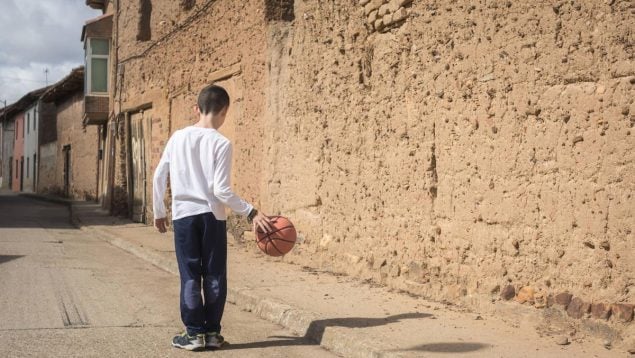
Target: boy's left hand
161,225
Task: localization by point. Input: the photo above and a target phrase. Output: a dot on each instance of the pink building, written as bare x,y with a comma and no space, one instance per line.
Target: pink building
24,167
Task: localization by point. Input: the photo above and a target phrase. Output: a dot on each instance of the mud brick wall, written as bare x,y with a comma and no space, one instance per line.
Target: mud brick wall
83,141
190,45
47,177
461,150
470,146
47,166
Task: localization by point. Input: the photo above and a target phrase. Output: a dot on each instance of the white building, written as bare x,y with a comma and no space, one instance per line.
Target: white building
31,128
6,150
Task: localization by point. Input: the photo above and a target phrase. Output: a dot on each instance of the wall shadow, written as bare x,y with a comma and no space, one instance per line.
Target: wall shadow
316,330
18,211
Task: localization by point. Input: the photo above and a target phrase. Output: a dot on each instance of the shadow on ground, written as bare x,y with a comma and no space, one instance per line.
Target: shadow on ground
19,211
7,258
316,330
449,347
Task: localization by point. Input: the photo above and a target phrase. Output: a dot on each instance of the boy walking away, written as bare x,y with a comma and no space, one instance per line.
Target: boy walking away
198,159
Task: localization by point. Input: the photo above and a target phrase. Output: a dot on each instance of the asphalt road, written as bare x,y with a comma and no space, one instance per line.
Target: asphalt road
64,294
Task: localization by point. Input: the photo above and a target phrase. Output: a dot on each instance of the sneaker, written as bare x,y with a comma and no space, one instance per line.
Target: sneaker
214,340
191,343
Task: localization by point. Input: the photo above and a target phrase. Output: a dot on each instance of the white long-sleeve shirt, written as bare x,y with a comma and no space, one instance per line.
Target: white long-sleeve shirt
199,163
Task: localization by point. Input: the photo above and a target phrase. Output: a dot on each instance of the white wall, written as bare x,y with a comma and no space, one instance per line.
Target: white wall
6,152
31,128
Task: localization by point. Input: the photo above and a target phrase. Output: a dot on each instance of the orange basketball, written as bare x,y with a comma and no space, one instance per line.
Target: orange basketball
280,240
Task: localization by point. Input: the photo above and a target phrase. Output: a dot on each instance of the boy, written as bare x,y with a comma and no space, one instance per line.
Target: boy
198,159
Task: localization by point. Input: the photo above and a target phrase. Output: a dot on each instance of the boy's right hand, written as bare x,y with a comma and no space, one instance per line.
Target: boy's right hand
161,224
263,222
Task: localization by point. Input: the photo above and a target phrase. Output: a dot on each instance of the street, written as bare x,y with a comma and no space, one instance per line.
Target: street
65,294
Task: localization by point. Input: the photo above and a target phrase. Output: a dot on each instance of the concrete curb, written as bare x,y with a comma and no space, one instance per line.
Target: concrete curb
311,325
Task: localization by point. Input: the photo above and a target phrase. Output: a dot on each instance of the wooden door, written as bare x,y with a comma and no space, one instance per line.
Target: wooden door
67,169
138,161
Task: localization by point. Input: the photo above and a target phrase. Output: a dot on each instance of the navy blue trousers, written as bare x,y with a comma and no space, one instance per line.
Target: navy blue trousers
201,252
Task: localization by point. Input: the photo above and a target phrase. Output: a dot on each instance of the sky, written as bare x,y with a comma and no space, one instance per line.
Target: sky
36,35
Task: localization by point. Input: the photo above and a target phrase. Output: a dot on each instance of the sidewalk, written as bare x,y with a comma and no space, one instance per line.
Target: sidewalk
348,317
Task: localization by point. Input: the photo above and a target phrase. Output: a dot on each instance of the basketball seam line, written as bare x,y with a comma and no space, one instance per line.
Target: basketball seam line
273,232
269,238
275,247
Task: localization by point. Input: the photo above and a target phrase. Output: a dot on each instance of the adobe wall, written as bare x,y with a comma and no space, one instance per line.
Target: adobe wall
48,160
48,182
165,60
452,149
83,141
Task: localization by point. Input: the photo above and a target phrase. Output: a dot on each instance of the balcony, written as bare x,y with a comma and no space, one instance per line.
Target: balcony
96,35
95,110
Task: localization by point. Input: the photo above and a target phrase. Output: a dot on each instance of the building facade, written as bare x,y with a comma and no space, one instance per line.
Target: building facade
449,151
7,134
22,120
31,120
18,152
69,151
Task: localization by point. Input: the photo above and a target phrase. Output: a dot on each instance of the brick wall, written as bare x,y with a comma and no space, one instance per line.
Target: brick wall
83,143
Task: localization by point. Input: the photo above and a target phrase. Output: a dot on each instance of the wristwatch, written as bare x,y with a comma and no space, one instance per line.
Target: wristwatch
252,215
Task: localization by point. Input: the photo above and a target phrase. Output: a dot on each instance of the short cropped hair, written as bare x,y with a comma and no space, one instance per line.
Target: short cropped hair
213,99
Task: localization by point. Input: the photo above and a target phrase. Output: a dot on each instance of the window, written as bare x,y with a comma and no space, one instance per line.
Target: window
97,65
27,167
28,123
16,169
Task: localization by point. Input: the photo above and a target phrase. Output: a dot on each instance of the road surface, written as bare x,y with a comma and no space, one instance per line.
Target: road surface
65,294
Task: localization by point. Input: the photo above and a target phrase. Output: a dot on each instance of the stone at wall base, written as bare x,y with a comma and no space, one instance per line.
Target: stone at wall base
508,292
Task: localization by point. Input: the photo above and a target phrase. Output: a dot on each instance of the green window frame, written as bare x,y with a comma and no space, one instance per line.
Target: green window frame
97,65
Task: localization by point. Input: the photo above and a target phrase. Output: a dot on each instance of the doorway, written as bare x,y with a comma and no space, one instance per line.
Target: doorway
10,173
67,169
34,185
21,173
140,130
